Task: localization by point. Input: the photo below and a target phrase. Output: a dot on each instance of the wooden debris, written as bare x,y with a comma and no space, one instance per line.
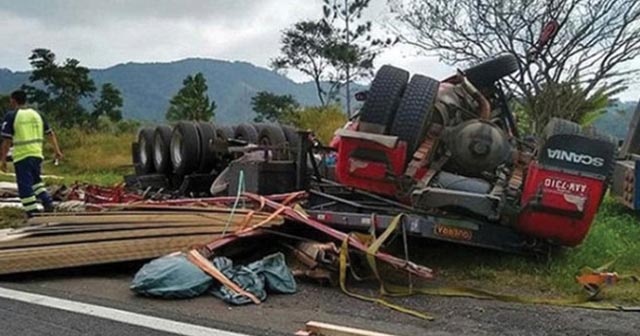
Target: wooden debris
325,329
79,239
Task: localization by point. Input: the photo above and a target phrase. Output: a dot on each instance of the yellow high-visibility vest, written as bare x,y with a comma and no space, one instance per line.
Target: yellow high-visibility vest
28,134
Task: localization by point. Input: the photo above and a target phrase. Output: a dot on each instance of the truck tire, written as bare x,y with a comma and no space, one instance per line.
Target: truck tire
207,133
488,72
185,148
383,99
557,126
145,150
224,133
293,138
246,132
259,126
273,136
414,113
161,145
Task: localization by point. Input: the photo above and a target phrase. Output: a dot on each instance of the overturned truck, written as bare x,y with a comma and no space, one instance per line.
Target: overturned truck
446,154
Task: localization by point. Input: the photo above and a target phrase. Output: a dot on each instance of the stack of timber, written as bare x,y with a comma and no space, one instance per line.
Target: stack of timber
64,240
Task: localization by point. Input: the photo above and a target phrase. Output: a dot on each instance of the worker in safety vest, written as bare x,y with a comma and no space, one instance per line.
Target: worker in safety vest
24,128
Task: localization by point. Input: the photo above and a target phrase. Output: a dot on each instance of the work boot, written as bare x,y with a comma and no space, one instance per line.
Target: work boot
48,208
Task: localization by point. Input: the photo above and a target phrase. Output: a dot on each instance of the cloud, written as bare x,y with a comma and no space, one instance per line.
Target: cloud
105,33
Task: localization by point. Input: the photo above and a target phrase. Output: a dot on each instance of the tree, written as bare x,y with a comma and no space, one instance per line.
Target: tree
353,50
272,107
303,48
109,104
192,102
595,41
322,120
333,51
57,90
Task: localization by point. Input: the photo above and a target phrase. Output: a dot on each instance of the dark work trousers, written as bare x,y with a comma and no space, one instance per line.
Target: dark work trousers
30,185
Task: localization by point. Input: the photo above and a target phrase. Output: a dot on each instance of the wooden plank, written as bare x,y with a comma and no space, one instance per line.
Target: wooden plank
160,207
105,236
326,329
50,230
79,227
56,235
72,255
145,212
61,220
88,236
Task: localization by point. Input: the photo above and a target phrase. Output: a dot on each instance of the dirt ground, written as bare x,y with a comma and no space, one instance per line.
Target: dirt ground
284,314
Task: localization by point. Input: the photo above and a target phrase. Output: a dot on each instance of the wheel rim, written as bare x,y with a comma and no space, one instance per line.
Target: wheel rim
143,152
176,149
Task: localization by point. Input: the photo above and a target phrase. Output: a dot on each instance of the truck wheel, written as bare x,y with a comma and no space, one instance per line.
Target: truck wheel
145,150
272,136
557,126
383,99
161,144
490,71
293,138
207,132
185,148
246,132
224,133
414,114
259,126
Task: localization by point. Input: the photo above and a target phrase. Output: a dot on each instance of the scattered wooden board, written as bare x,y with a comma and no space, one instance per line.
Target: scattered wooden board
83,254
32,241
325,329
79,239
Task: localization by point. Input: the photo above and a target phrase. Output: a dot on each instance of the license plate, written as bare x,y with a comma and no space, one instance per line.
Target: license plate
452,232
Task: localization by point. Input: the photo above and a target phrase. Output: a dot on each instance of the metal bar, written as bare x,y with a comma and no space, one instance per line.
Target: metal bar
374,196
418,270
485,235
301,161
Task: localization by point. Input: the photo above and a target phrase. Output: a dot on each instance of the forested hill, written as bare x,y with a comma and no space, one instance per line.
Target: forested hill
148,87
617,119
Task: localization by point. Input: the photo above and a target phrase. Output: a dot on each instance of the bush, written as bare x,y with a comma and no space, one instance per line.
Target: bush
323,121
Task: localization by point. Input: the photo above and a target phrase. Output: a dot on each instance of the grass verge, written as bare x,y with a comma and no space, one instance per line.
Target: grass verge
615,235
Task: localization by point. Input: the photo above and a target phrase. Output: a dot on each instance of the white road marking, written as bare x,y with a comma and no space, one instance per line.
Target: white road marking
122,316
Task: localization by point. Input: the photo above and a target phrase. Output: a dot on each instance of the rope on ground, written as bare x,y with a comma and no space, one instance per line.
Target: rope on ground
576,301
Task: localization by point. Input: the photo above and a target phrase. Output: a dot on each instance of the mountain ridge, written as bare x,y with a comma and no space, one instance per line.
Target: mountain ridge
147,87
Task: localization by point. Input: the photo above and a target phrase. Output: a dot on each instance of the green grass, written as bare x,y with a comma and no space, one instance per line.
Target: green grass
96,158
99,158
615,235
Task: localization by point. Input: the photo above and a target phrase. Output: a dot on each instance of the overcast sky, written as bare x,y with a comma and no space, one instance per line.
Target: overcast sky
104,33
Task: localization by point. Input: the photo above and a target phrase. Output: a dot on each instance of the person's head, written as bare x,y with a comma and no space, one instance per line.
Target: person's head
18,98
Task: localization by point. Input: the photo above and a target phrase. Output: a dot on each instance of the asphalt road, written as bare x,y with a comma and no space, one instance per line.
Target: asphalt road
24,319
283,315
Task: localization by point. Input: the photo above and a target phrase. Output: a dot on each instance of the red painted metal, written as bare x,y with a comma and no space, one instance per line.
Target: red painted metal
559,206
374,171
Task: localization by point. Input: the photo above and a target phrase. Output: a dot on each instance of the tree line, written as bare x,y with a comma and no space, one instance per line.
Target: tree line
60,89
